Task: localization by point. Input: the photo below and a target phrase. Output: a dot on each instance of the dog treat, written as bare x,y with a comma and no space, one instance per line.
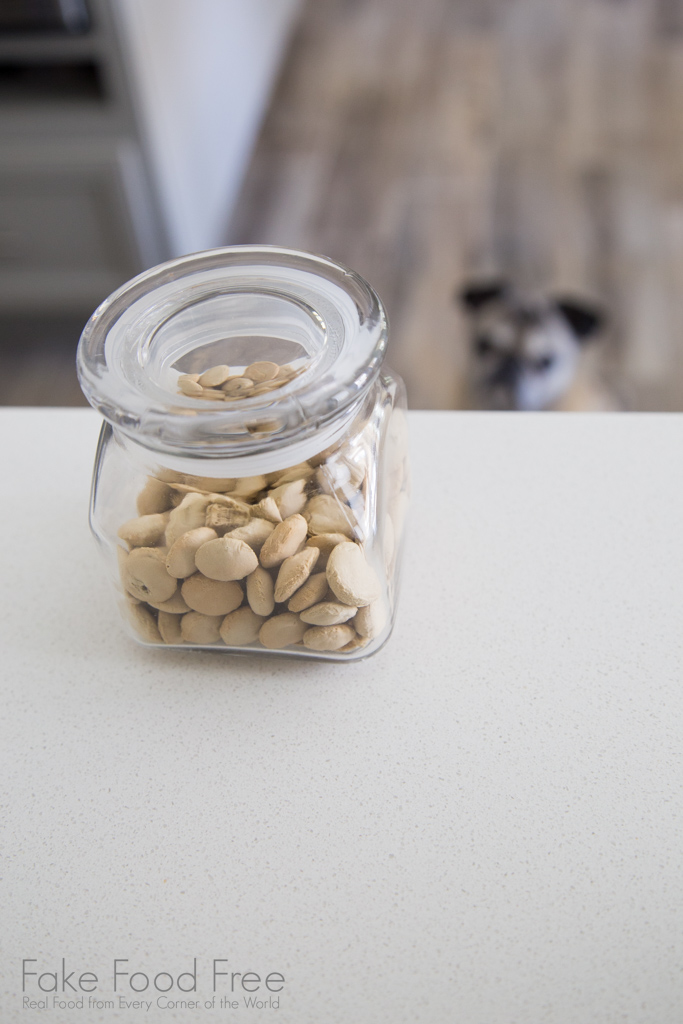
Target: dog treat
214,377
260,372
328,638
180,558
226,559
144,575
241,627
260,591
237,387
190,514
285,540
224,517
143,622
324,514
294,571
371,620
255,533
324,542
212,394
350,577
169,627
301,472
211,597
225,384
355,644
267,509
282,630
144,531
249,487
328,613
155,496
207,483
196,628
188,384
312,592
289,498
175,605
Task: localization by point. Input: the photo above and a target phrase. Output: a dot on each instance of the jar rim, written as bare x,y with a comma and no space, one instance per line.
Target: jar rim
129,344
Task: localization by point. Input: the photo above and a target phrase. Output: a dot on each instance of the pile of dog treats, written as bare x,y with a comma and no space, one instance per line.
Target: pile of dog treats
221,384
273,561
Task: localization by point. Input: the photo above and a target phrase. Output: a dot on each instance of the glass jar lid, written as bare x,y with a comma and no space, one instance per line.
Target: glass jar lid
320,325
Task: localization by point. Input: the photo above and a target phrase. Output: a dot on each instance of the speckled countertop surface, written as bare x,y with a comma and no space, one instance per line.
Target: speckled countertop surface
482,824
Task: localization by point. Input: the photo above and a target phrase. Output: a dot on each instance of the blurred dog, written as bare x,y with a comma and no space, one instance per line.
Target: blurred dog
528,352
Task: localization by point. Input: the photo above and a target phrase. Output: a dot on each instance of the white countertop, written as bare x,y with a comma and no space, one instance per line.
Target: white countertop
482,824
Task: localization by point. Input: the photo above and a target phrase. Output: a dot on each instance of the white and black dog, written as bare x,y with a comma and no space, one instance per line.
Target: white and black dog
528,352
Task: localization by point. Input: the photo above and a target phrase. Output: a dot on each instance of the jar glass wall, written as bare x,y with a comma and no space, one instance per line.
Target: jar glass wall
252,479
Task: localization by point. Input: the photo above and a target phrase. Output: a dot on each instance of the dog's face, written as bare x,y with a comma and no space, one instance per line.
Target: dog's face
524,352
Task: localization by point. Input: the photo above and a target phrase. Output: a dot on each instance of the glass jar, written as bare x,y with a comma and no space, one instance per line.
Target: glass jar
251,478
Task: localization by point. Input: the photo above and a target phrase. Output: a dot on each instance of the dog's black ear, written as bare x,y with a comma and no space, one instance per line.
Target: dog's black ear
474,296
585,320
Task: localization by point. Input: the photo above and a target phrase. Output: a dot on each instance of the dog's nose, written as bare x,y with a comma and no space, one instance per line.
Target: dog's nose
506,373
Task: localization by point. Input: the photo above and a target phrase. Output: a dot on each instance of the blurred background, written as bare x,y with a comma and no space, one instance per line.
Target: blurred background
424,144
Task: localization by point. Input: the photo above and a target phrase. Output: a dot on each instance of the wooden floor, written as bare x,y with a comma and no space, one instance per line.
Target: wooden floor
426,143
